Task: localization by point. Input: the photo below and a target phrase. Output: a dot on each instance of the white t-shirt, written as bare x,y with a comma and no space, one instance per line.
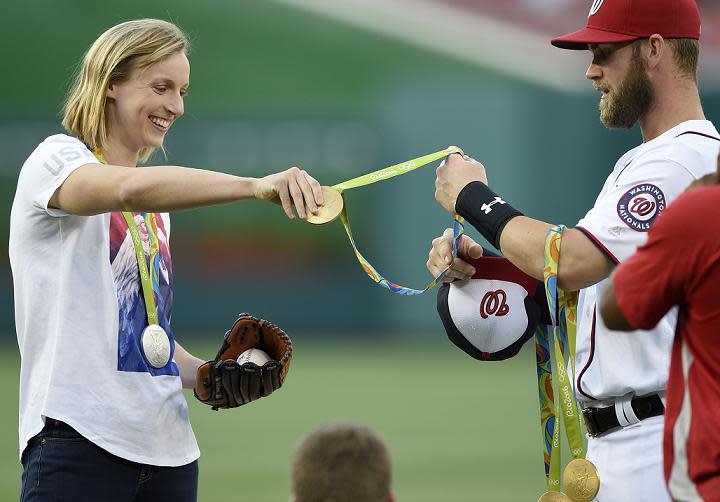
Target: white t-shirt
79,314
645,180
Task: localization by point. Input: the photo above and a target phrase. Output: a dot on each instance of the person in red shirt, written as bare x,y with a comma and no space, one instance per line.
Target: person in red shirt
680,266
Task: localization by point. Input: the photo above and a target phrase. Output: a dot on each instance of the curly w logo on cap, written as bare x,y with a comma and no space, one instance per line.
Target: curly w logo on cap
595,7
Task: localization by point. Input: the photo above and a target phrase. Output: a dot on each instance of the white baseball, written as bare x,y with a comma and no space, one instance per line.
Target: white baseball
256,356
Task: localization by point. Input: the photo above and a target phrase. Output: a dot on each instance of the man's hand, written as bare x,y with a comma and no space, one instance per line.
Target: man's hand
610,312
293,187
454,174
441,257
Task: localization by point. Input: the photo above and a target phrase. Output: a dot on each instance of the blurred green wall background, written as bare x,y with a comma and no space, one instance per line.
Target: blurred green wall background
273,87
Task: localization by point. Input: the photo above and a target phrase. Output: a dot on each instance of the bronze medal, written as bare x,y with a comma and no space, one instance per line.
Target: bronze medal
581,480
554,497
328,211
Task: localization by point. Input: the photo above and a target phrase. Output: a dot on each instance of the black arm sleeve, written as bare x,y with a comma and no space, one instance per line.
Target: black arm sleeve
485,210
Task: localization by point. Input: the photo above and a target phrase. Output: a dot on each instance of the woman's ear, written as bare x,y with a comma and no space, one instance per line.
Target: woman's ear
111,91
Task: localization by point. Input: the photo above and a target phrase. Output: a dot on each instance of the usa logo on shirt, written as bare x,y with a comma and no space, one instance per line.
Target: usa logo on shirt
640,205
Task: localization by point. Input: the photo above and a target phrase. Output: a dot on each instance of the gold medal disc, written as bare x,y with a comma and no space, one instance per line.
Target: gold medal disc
328,211
554,497
581,480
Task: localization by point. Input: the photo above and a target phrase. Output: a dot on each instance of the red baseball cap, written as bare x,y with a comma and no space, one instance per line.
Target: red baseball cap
613,21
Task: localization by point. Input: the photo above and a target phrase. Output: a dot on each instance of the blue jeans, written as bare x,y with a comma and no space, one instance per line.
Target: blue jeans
60,465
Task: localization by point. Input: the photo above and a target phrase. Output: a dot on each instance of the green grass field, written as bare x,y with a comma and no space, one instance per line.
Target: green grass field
457,429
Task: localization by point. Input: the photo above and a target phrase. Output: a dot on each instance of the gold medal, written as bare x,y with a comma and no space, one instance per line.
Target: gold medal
554,497
328,211
581,480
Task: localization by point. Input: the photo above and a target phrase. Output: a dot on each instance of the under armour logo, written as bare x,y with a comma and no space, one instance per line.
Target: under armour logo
595,7
488,207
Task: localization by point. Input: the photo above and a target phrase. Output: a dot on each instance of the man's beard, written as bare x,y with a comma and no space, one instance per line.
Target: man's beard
623,107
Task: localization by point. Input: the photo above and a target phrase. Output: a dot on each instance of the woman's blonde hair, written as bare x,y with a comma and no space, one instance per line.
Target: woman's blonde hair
124,48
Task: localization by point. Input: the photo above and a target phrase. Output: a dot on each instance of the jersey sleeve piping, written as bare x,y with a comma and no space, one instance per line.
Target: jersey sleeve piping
598,244
589,362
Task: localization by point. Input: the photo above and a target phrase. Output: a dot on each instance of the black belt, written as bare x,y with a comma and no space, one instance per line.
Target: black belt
601,420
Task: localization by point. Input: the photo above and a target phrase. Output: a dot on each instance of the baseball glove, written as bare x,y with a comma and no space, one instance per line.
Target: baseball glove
223,383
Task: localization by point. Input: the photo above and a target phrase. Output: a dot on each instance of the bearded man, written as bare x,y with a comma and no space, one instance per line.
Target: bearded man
644,62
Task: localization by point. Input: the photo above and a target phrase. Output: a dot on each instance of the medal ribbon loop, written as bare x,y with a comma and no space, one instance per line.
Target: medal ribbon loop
560,408
382,175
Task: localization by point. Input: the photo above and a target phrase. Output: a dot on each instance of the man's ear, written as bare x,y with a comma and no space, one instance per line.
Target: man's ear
391,497
656,47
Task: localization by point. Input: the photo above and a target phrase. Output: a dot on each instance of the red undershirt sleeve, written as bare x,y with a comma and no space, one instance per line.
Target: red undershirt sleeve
652,281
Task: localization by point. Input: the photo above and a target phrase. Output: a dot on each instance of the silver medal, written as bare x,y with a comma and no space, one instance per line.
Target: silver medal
156,346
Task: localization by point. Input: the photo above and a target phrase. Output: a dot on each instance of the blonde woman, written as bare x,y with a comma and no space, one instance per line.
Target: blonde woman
102,414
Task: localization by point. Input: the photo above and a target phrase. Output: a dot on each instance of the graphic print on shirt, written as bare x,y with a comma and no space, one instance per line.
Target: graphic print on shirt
131,305
640,205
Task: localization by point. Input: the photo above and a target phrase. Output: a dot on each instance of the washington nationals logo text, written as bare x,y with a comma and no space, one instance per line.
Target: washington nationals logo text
494,303
639,206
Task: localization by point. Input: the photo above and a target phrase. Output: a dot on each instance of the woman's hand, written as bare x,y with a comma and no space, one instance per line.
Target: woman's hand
293,187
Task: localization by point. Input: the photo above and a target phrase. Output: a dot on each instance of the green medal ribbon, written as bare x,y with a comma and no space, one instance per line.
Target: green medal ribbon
149,275
145,275
396,170
386,174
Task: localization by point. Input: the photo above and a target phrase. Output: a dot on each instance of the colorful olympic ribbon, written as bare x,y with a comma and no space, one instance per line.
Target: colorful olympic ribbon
339,206
548,416
580,478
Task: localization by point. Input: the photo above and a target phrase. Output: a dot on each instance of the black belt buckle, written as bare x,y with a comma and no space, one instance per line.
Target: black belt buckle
598,421
591,423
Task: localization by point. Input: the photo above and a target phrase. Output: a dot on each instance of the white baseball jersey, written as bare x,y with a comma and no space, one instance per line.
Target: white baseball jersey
79,314
644,181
